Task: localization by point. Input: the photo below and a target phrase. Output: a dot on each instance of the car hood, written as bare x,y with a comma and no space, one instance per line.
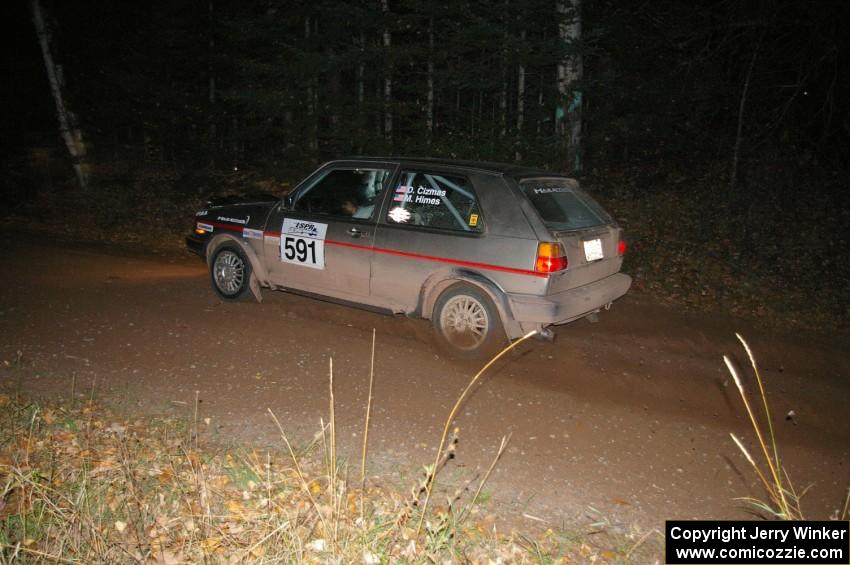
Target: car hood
253,198
246,211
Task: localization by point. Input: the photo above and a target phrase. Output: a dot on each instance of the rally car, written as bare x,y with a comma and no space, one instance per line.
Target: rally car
486,251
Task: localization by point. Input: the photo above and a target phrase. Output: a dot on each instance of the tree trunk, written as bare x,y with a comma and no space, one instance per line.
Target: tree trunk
71,135
568,118
472,120
333,87
379,111
736,151
540,105
234,143
361,70
520,100
503,95
211,84
360,90
312,126
429,101
211,52
388,76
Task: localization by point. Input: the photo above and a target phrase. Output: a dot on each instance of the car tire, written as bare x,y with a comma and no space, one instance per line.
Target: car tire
467,323
230,273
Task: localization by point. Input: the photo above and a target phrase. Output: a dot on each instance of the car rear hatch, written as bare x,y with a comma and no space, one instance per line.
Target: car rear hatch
590,237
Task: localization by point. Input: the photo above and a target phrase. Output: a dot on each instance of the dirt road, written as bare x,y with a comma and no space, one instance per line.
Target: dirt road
626,420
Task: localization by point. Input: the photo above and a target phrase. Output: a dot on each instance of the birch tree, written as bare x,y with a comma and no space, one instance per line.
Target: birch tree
71,134
570,70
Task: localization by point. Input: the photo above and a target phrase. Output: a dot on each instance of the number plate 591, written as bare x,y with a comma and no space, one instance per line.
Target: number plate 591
303,243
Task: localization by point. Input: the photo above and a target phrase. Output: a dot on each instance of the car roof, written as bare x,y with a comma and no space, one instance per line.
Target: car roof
508,169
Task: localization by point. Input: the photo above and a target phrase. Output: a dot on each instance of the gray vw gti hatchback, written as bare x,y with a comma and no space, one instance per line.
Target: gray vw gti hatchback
486,251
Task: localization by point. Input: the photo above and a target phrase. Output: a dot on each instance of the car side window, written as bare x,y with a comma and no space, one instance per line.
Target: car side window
435,200
344,192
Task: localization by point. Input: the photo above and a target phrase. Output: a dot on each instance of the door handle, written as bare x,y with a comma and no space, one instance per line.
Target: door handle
355,232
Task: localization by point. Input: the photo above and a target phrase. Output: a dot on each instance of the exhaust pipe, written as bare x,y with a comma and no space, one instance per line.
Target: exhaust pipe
545,334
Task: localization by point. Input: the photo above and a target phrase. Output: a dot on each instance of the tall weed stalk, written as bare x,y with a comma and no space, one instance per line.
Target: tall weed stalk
783,501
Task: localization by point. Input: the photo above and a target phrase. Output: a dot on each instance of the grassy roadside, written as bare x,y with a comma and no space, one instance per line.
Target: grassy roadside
81,482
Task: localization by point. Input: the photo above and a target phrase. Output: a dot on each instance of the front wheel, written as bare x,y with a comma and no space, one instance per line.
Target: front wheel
230,272
467,323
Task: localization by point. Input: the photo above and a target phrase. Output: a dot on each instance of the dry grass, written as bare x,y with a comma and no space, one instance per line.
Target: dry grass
783,500
79,484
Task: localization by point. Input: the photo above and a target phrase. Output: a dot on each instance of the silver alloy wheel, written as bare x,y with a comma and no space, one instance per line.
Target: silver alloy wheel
464,322
229,272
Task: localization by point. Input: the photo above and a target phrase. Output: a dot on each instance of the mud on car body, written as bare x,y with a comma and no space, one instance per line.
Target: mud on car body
486,251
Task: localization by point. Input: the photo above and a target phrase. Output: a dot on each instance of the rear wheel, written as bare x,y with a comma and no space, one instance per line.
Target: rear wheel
467,323
230,273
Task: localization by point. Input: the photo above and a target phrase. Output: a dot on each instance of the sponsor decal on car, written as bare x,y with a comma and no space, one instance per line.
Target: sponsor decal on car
551,190
303,229
473,220
419,195
303,243
242,221
200,213
205,227
252,234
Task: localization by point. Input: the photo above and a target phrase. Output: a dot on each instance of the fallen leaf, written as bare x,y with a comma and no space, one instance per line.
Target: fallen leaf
211,544
317,544
235,507
170,558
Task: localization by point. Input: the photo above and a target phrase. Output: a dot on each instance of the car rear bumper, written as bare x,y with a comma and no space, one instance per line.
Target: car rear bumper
541,311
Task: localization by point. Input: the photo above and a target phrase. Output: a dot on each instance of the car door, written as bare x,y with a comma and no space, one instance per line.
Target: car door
321,238
433,224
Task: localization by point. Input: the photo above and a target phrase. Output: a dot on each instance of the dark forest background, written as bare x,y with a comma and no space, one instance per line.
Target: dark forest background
717,132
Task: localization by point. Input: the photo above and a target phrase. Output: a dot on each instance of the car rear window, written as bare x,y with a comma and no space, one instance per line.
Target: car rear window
562,205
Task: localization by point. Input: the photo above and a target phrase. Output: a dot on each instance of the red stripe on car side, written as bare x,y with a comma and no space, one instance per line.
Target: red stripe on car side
436,259
423,257
405,254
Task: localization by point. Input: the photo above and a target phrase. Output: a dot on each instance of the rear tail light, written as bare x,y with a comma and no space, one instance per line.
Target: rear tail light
621,248
550,258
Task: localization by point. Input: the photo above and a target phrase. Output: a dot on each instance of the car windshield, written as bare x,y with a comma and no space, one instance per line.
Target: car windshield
562,205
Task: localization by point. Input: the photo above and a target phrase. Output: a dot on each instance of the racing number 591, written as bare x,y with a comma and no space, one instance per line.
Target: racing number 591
297,249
